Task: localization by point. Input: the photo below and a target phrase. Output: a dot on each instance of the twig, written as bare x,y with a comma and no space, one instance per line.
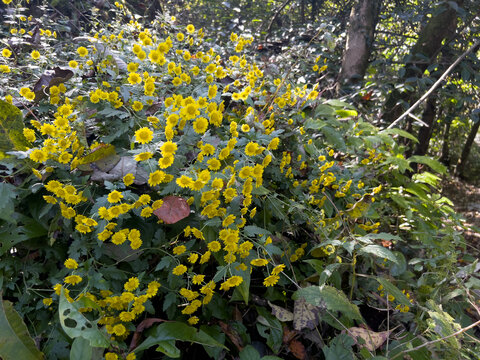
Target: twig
438,340
434,86
274,17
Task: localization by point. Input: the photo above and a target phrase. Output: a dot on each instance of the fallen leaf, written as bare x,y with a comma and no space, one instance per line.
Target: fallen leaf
281,313
304,315
50,78
174,209
232,335
373,340
288,335
297,349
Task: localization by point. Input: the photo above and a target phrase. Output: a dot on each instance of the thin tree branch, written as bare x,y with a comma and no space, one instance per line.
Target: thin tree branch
274,17
438,340
434,86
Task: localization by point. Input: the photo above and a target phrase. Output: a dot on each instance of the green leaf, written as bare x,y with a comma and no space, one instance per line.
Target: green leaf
343,114
75,324
249,353
391,289
81,349
168,348
400,267
15,341
399,132
244,287
443,324
334,137
432,163
252,230
378,251
340,348
8,194
11,128
178,331
332,298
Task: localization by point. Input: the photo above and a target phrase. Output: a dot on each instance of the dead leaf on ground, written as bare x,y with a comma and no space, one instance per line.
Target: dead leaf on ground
304,315
373,340
280,313
297,349
288,335
174,209
232,335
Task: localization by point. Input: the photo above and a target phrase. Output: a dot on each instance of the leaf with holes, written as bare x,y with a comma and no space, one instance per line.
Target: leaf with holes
173,209
75,324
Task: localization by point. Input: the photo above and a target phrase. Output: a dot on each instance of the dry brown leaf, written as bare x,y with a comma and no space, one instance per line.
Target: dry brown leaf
288,335
373,340
281,313
297,349
174,209
304,315
232,335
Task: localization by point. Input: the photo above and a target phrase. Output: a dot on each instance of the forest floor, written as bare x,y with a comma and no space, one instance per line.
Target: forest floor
466,199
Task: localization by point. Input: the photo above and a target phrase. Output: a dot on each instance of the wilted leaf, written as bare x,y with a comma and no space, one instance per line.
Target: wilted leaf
50,78
373,340
281,313
174,209
15,341
330,297
304,315
297,349
288,335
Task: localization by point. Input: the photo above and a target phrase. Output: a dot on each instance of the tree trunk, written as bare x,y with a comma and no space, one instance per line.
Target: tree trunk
425,132
445,158
440,27
360,37
459,171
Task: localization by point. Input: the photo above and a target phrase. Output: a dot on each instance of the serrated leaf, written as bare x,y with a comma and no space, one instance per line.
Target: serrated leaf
378,251
15,341
330,297
304,315
75,324
11,128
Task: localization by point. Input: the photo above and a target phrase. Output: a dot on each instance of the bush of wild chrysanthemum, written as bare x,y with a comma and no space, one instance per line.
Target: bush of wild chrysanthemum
170,188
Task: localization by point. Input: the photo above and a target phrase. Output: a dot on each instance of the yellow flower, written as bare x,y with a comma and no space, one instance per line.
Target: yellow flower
6,53
128,179
271,280
71,264
179,250
179,270
82,51
72,279
119,330
251,148
47,301
137,106
134,78
190,29
143,156
38,155
200,125
119,238
259,262
193,320
278,269
156,178
168,148
131,284
114,197
143,135
214,246
73,64
198,279
35,55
